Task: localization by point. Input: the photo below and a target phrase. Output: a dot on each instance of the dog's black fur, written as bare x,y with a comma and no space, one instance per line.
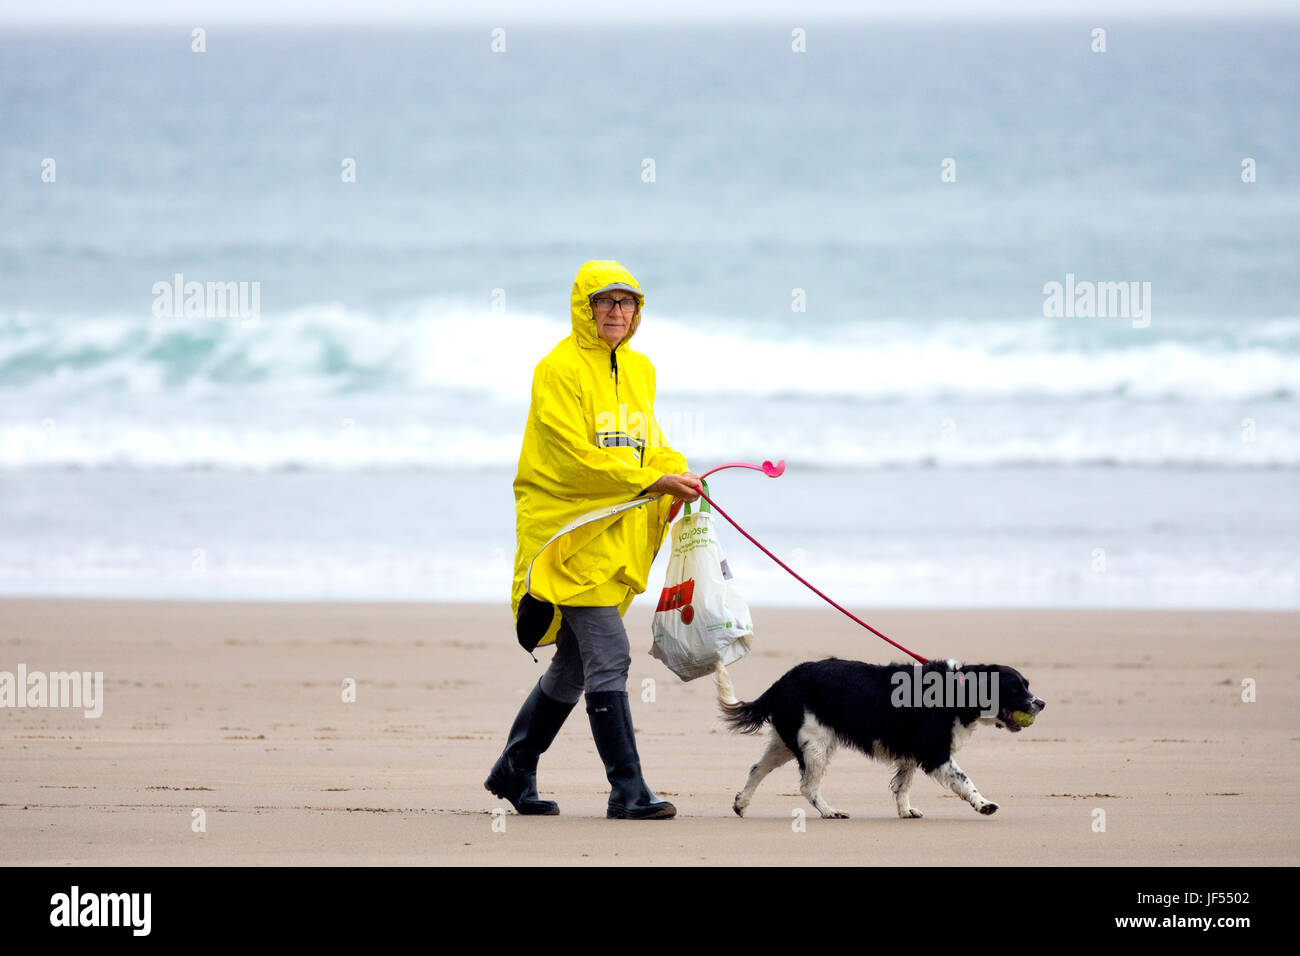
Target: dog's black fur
818,705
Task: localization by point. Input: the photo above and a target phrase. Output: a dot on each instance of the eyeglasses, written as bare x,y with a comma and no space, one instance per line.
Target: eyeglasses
606,304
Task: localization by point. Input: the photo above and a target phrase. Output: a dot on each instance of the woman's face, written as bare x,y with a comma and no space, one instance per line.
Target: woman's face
612,323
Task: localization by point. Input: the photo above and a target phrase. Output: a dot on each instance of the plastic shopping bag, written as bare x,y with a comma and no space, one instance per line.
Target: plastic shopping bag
701,618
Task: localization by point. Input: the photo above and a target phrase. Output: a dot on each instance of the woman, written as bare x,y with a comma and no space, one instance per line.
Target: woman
591,442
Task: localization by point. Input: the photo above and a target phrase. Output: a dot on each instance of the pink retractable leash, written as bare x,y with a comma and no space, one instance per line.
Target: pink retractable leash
775,471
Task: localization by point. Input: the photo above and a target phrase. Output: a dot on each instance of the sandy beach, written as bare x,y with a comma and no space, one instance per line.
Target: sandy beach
236,709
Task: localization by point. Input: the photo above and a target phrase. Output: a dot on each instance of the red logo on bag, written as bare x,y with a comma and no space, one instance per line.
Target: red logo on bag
678,596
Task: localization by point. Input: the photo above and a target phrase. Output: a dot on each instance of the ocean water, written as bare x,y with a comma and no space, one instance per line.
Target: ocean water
816,292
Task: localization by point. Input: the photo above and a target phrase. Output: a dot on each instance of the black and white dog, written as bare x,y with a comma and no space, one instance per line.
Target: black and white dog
908,715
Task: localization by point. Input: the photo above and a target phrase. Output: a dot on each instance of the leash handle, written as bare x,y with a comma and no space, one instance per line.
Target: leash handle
767,468
714,505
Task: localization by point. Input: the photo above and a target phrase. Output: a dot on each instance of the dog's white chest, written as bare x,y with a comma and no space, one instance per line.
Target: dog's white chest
960,733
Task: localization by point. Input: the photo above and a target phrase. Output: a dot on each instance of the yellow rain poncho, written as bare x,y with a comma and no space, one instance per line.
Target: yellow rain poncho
591,441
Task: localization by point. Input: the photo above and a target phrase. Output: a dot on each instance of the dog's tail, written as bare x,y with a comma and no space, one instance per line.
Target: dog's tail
739,716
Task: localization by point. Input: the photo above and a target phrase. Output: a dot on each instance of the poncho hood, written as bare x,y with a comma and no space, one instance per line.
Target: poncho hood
597,276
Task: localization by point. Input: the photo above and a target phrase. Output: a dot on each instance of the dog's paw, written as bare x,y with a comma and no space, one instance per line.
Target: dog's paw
911,814
988,809
833,814
738,806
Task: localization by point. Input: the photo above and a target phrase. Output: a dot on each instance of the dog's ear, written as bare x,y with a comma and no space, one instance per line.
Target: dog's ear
1015,676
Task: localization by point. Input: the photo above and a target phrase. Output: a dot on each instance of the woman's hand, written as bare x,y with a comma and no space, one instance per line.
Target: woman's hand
685,486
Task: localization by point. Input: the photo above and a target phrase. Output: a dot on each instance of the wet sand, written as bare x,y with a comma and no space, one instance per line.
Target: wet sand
236,709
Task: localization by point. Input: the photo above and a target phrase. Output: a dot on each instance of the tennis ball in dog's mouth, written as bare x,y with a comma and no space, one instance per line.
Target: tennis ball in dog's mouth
1022,718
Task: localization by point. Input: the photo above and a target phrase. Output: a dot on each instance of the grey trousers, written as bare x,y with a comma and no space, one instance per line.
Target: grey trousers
591,654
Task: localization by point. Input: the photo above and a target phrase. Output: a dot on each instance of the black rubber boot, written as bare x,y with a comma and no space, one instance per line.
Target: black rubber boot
611,727
514,775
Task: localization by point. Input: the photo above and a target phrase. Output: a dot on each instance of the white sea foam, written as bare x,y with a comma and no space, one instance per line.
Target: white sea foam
455,348
442,386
